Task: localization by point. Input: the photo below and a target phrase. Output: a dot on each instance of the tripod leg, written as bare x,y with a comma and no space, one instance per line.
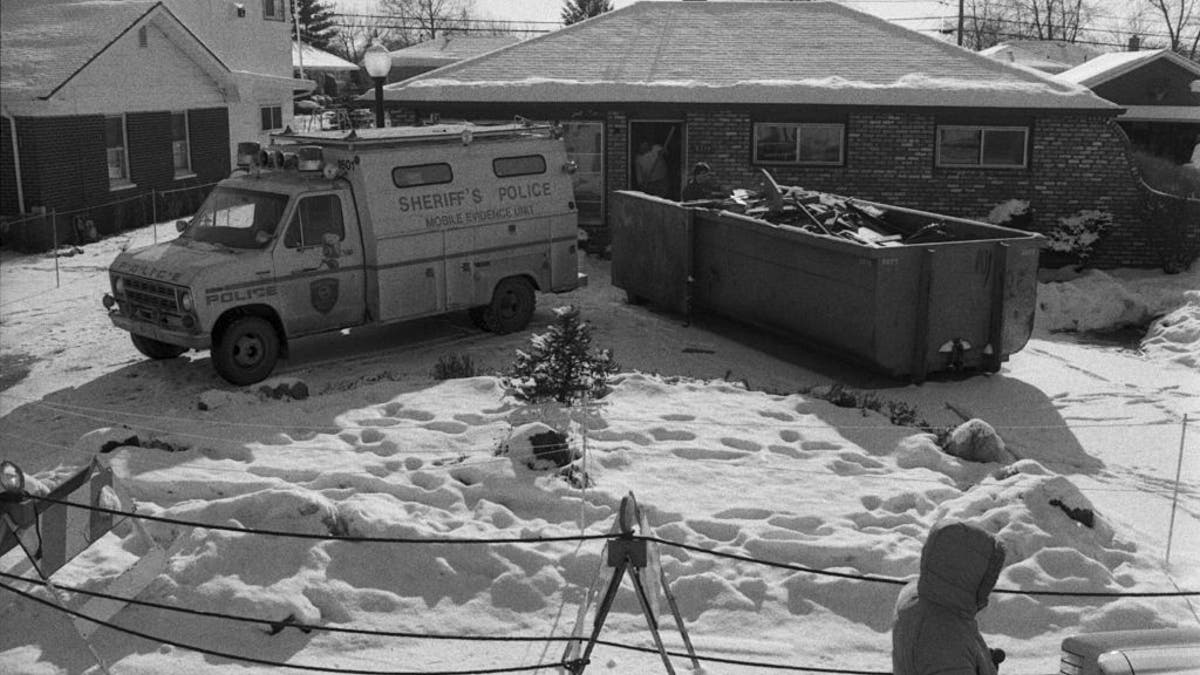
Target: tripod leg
635,575
610,594
687,640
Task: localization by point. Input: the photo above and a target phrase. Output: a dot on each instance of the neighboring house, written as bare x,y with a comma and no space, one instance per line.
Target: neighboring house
105,102
1159,92
1048,56
331,73
819,94
443,51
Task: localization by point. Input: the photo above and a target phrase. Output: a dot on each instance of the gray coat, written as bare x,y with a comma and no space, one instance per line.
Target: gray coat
935,629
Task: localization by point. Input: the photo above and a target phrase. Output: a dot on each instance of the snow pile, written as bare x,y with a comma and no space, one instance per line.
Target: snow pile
1105,301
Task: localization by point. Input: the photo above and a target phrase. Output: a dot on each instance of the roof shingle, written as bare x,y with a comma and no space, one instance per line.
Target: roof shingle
727,52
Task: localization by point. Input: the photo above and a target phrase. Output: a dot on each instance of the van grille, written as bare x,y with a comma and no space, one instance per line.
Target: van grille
151,294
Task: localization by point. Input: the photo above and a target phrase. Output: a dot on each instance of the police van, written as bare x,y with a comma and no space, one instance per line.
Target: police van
330,230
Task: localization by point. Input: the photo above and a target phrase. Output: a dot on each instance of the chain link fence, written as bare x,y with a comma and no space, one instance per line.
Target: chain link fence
38,233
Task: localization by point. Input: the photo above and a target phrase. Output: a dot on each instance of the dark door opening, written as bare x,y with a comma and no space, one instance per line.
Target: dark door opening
656,157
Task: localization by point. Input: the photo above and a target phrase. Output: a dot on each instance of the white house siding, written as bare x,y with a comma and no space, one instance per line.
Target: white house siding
130,78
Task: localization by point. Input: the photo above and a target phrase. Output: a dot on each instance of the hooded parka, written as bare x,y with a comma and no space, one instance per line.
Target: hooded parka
935,629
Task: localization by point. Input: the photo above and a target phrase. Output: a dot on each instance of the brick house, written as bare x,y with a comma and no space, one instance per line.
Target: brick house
821,95
104,103
1158,90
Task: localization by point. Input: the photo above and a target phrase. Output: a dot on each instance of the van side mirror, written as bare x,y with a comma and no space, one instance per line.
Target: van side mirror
181,225
261,237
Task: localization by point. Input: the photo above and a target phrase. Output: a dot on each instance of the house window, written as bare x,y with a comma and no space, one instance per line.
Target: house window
143,37
272,117
118,153
977,146
273,10
525,165
180,148
791,143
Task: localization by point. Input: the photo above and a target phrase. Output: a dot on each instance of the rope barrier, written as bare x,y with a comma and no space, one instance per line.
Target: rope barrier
266,662
305,627
322,537
657,540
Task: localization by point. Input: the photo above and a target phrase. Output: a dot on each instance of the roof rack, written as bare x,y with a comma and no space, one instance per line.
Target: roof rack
414,134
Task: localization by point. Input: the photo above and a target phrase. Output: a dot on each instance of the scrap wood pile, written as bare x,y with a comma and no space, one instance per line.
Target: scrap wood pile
834,216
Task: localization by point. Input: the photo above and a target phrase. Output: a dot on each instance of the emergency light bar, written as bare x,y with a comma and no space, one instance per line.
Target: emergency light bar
248,154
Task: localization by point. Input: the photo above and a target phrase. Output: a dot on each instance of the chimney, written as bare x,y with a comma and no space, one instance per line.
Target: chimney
1134,43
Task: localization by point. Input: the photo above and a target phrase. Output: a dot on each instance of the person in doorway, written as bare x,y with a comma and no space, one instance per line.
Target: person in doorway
934,629
652,170
699,185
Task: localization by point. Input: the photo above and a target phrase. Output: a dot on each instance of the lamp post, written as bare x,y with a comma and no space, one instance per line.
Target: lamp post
378,63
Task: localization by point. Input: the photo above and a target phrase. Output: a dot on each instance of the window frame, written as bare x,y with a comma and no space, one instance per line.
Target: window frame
297,220
405,185
799,126
278,13
515,160
983,130
186,171
125,180
272,108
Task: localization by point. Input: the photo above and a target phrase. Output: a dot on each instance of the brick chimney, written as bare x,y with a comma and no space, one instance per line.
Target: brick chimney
1135,43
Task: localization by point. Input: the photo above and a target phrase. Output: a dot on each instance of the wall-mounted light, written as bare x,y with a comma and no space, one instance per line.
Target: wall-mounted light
241,9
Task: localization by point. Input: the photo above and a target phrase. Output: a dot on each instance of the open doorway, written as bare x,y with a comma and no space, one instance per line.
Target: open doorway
656,157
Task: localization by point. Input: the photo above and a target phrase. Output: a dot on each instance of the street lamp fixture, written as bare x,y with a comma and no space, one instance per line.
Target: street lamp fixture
378,63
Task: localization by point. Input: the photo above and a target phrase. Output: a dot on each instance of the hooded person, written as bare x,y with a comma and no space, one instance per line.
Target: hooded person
934,629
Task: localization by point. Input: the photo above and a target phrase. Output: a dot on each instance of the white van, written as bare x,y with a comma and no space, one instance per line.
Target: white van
336,229
1173,651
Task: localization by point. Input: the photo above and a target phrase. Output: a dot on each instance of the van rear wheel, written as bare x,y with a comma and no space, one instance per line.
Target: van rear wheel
512,306
156,349
246,351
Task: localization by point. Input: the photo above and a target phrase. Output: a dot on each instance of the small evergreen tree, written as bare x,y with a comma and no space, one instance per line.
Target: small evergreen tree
574,11
560,365
316,23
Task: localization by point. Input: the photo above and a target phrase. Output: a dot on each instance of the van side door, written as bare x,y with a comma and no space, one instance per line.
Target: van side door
319,266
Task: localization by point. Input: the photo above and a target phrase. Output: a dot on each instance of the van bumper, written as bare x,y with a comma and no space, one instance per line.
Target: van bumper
153,332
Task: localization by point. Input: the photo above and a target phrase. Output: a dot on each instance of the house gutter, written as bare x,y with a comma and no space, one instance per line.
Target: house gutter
12,128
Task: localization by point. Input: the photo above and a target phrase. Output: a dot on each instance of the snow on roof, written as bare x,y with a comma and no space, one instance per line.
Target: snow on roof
317,59
450,49
1108,66
43,43
734,52
1047,55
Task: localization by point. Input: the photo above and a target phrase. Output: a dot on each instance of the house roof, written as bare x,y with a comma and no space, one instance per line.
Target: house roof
735,52
1051,56
1110,66
450,49
316,59
44,43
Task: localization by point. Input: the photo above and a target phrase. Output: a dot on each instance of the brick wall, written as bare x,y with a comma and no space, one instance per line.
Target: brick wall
1075,162
64,168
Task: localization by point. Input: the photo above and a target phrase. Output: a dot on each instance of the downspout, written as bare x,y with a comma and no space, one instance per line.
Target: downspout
299,44
12,128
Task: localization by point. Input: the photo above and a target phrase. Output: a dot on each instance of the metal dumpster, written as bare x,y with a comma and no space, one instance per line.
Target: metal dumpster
906,310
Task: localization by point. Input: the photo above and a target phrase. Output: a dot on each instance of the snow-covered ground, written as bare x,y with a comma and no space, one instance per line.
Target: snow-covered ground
708,425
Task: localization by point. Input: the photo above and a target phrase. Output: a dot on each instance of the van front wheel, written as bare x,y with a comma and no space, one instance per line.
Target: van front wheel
512,306
156,349
246,351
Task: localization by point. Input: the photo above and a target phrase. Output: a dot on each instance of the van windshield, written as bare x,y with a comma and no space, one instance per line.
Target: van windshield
237,218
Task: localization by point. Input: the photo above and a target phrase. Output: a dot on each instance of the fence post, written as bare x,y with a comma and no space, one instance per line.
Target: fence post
1175,492
54,244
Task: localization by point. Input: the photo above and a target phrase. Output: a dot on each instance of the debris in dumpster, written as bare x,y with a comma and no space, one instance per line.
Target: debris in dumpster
828,215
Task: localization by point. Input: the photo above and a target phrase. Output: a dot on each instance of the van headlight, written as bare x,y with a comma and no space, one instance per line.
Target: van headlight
119,286
185,301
